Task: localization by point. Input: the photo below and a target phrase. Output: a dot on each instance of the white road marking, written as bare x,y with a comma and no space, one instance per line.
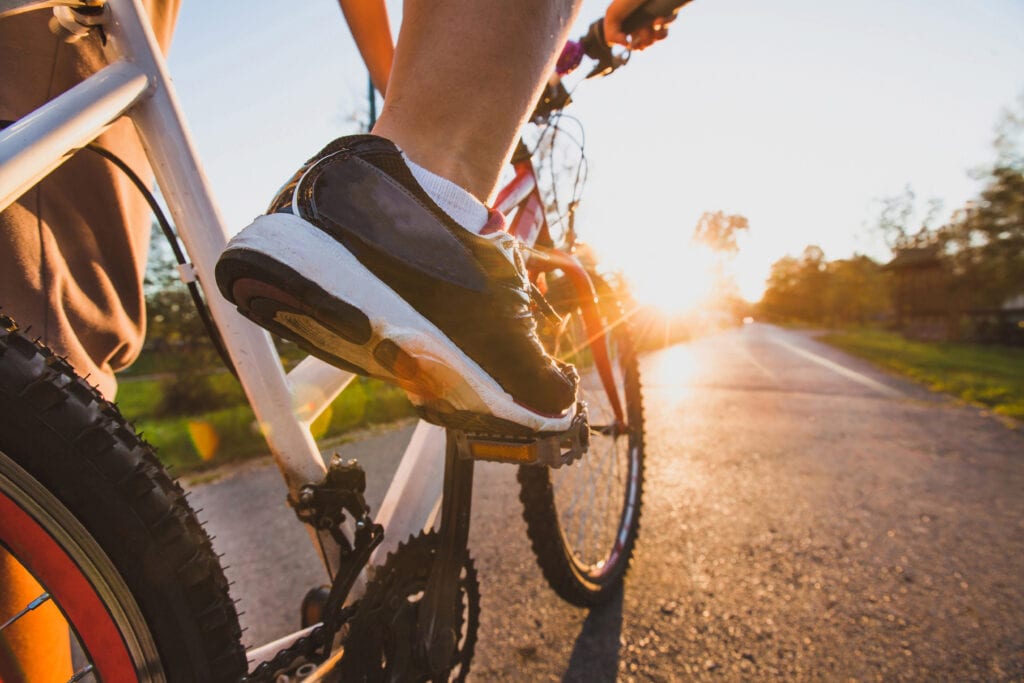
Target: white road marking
745,352
839,369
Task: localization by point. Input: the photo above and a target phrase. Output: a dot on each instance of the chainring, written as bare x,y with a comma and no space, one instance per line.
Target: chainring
381,633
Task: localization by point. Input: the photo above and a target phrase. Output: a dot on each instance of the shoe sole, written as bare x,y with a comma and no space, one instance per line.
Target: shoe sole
333,307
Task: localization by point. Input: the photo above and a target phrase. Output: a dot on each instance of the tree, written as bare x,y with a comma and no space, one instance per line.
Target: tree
812,289
719,232
981,248
172,321
986,242
796,286
1009,141
782,294
899,224
857,292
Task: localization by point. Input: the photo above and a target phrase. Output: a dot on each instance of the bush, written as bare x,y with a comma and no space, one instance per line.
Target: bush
196,392
189,443
191,438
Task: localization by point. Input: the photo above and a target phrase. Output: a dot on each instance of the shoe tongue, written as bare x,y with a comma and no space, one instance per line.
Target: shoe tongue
387,157
392,163
495,222
380,152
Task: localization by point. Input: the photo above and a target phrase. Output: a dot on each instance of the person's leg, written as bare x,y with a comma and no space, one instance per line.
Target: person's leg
383,260
466,76
73,248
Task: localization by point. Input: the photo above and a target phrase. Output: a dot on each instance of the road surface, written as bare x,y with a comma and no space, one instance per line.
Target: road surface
807,517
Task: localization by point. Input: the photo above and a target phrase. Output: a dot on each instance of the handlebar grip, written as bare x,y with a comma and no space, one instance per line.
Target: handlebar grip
651,11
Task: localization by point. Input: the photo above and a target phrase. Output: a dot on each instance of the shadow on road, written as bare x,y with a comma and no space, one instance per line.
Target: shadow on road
595,656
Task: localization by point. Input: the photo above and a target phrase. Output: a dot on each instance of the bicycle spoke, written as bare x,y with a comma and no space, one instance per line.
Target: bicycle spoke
589,494
587,521
576,511
575,489
38,602
81,673
591,547
597,515
595,527
585,517
581,530
608,523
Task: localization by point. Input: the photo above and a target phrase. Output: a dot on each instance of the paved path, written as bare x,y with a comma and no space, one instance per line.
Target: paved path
807,517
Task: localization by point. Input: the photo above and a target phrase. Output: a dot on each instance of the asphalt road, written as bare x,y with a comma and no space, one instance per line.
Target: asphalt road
806,517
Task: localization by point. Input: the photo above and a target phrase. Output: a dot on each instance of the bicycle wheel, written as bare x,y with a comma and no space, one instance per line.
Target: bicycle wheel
583,519
95,520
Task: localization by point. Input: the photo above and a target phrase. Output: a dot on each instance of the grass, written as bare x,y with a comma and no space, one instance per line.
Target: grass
226,429
988,376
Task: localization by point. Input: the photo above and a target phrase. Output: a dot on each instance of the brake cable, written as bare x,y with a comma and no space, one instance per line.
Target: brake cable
172,238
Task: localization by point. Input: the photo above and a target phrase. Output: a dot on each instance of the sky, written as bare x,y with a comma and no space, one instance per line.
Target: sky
798,114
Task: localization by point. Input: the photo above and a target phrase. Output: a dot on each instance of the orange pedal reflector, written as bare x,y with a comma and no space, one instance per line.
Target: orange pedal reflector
503,452
551,450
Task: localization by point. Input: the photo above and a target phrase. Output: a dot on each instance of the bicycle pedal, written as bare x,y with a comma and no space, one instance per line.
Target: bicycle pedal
547,450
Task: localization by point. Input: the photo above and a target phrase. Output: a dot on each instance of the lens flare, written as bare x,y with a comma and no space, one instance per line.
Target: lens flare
677,279
204,437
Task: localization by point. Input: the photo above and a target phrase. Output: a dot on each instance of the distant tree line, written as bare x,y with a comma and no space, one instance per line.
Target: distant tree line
978,255
809,288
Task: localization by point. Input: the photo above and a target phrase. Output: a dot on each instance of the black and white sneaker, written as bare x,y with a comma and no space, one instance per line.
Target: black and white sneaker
356,264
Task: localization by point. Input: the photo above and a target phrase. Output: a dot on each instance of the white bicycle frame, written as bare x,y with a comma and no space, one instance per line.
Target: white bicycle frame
135,84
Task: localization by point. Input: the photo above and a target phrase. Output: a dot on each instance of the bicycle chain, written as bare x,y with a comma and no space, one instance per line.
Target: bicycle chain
288,658
405,569
387,616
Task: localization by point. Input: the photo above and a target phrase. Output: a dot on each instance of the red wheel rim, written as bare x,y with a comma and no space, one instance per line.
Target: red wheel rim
77,598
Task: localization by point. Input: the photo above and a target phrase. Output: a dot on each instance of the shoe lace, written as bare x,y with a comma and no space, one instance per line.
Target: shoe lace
538,302
544,307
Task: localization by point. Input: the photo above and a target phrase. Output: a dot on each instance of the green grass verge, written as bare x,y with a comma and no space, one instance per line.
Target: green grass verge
209,438
985,375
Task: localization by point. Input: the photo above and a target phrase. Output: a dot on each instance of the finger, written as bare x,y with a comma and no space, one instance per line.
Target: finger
613,34
645,37
641,38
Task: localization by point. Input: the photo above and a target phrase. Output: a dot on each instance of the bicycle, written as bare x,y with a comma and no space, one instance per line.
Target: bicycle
86,506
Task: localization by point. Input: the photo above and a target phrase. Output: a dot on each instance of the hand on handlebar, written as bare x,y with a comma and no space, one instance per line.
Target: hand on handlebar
640,38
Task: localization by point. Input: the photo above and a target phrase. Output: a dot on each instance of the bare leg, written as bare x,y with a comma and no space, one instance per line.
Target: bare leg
466,76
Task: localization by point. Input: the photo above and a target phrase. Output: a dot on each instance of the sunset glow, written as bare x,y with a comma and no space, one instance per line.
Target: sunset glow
675,278
780,112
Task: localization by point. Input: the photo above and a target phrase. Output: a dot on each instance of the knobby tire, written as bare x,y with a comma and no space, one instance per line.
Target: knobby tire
107,482
574,581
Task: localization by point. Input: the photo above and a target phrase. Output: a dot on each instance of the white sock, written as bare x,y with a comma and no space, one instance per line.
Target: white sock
460,205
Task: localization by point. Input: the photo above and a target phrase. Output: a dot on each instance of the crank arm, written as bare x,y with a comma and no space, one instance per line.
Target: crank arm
437,639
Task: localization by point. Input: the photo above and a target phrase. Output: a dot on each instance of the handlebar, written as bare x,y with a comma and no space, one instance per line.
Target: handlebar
652,11
594,45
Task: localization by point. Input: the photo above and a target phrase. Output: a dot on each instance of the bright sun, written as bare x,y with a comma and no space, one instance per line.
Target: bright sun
675,278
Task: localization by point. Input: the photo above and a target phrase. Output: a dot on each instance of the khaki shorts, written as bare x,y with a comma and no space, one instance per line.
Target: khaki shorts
73,248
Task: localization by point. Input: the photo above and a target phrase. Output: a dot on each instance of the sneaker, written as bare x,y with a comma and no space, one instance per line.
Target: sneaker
357,265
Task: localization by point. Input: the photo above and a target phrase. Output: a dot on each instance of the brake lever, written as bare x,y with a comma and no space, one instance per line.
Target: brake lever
597,48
